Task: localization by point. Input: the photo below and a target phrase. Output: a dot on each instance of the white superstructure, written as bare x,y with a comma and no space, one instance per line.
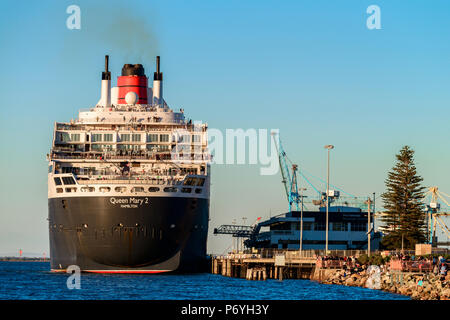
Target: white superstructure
122,147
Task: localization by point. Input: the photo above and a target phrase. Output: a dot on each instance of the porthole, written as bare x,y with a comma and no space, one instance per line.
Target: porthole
120,189
105,189
153,189
137,189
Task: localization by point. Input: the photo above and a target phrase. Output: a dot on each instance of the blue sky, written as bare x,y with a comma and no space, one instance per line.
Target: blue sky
309,68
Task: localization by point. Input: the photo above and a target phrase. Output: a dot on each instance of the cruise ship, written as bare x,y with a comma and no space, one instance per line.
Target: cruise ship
129,183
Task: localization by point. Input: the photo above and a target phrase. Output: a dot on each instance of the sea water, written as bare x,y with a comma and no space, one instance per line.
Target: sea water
33,280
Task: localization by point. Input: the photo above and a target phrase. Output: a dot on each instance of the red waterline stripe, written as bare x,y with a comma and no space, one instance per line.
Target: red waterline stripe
126,271
115,271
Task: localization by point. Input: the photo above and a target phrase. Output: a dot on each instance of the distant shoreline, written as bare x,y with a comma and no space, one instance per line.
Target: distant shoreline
23,259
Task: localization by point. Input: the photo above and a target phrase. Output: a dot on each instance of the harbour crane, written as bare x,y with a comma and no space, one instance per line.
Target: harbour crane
289,179
433,209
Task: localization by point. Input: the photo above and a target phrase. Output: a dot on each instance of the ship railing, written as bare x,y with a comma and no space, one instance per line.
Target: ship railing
198,158
135,154
130,180
82,126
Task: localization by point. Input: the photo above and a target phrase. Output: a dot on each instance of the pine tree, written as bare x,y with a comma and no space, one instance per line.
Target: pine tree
404,217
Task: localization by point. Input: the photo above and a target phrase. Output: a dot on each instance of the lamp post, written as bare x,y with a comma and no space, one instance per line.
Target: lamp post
301,219
329,147
369,202
233,239
242,240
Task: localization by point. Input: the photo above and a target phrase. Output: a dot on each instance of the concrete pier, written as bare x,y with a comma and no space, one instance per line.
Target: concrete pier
255,267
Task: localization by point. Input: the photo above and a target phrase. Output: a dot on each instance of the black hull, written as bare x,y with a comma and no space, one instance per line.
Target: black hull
128,234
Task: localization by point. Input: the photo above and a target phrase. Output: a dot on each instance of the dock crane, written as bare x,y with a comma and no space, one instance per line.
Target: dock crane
289,178
434,214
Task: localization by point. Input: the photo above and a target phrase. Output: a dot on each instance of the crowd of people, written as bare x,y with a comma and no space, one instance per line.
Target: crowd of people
437,265
402,262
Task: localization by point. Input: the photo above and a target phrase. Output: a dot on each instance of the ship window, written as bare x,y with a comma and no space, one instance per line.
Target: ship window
87,189
124,146
198,190
105,189
125,137
164,138
153,189
96,137
190,182
196,138
163,148
185,138
200,182
152,137
170,189
137,189
186,190
107,137
57,181
59,190
136,137
68,180
120,189
75,137
101,147
50,169
63,137
71,189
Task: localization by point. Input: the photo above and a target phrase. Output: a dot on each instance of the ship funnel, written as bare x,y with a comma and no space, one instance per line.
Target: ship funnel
105,98
157,85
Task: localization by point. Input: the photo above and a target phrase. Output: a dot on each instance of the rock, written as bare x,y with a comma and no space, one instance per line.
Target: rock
445,293
403,290
349,282
415,295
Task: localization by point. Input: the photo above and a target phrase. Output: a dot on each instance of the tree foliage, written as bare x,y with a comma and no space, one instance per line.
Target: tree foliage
404,216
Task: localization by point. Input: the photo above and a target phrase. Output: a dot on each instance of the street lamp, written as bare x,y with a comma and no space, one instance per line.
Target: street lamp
301,219
242,240
233,240
329,147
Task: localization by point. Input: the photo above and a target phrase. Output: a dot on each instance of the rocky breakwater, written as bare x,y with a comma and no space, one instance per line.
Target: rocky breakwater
419,286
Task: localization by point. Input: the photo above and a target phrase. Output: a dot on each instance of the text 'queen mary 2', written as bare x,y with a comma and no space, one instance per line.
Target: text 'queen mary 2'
128,183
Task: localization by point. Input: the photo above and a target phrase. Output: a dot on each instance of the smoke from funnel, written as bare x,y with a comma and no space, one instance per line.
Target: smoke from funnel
124,33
